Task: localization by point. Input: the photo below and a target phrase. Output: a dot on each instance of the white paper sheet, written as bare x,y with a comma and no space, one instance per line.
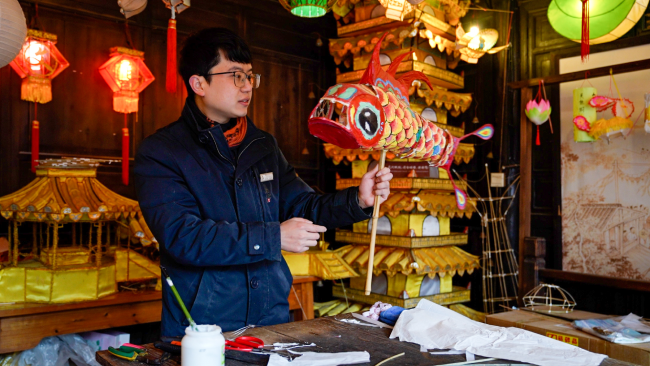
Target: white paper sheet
633,321
433,326
321,359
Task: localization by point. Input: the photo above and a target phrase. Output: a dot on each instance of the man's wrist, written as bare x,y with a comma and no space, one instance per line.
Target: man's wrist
360,201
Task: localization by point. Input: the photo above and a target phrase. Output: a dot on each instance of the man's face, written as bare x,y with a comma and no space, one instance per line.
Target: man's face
221,98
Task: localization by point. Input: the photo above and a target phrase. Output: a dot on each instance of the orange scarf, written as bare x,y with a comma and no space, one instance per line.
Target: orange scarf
235,135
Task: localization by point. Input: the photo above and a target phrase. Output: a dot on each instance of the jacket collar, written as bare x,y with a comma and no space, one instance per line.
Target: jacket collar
247,155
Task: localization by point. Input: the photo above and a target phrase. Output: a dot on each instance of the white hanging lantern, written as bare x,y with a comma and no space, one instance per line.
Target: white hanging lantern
13,30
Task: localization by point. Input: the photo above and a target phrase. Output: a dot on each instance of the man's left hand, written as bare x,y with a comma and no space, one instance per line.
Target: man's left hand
374,183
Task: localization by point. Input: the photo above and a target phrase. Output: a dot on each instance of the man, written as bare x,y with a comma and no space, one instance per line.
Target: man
222,200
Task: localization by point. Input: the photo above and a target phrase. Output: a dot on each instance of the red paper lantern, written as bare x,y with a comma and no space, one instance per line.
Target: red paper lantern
37,63
127,75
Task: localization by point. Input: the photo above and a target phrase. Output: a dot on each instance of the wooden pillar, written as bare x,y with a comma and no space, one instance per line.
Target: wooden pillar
34,239
98,254
55,244
16,250
526,176
534,253
9,237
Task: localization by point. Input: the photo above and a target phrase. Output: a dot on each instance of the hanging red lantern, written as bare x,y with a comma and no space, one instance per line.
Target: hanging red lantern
127,75
37,63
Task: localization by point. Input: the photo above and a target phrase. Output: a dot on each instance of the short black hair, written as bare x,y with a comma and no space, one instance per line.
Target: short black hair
200,52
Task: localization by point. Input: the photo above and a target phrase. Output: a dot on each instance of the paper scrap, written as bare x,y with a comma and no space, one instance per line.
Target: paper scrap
449,352
434,326
321,359
354,321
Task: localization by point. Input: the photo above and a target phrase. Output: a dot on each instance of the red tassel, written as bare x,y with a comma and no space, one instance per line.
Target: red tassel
584,44
125,156
35,143
537,142
170,81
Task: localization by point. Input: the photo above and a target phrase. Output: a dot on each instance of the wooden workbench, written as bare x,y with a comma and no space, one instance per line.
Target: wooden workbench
332,335
22,326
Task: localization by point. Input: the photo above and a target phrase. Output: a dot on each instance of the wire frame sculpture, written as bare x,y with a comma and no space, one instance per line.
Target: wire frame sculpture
549,299
498,262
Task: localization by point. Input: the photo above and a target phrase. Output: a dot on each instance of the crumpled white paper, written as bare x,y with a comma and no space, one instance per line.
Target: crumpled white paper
633,321
321,359
433,326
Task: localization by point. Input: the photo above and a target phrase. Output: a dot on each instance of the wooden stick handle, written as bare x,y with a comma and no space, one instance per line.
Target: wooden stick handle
373,232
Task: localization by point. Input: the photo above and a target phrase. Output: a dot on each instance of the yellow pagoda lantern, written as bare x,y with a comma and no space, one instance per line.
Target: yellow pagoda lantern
71,238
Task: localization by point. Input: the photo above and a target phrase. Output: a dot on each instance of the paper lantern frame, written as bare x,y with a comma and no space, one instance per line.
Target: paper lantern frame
126,89
13,30
608,20
37,63
308,8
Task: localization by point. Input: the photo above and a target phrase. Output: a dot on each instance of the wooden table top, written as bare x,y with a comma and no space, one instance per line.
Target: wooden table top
332,335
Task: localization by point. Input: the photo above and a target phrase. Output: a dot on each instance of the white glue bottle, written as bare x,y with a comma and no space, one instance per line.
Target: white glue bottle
205,347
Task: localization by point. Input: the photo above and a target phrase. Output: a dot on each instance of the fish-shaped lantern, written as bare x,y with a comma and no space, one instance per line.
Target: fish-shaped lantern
375,115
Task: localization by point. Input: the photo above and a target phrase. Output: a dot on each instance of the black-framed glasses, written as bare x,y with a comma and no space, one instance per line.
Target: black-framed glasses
240,78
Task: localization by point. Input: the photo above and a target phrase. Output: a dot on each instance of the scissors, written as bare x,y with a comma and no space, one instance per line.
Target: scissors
245,344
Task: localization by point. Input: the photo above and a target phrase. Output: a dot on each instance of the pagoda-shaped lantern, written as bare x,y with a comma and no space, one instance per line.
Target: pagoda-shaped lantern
71,238
37,63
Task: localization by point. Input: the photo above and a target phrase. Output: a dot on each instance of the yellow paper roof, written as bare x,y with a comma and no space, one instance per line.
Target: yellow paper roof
340,47
397,241
68,191
435,204
440,261
454,102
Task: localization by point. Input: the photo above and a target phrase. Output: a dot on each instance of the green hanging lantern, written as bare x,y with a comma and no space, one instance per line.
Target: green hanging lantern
607,19
308,8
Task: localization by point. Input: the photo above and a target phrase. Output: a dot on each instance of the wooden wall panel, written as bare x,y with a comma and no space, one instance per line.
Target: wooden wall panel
80,120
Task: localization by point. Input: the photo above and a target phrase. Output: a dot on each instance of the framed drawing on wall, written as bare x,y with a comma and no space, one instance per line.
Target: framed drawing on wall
606,181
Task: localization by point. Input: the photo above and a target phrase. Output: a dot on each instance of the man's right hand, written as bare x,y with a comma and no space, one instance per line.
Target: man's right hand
298,234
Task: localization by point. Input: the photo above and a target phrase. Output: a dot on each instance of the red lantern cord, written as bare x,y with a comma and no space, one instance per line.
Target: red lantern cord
125,152
584,44
170,77
35,140
537,140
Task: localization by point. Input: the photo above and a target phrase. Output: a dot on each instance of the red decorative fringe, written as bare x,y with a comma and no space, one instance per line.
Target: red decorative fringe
35,143
125,156
584,44
537,141
170,81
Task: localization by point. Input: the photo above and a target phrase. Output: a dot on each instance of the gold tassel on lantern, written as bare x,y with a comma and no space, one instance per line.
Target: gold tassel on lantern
36,89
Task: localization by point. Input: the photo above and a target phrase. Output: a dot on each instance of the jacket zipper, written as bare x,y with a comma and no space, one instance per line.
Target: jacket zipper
244,149
217,147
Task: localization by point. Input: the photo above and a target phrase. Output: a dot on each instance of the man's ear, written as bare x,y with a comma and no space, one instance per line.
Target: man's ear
196,83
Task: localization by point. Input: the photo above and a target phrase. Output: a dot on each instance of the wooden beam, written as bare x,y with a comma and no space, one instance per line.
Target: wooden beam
579,75
526,176
596,280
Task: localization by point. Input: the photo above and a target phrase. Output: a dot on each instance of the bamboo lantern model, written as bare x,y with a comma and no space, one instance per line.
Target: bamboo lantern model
71,238
415,256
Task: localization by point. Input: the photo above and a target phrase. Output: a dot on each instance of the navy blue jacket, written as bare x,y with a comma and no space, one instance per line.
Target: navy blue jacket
218,225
